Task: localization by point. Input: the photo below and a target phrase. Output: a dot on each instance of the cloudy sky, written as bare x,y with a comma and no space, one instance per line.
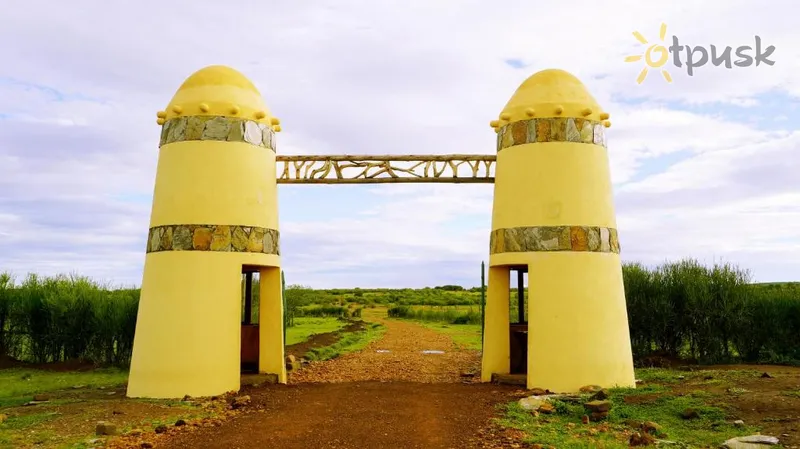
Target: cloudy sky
705,167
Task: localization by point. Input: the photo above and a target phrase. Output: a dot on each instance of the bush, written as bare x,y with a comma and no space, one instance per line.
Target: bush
444,315
324,311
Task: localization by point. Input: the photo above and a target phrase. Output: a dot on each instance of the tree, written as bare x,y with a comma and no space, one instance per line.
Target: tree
297,296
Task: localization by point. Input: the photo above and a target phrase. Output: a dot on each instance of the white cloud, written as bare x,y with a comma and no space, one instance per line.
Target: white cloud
81,83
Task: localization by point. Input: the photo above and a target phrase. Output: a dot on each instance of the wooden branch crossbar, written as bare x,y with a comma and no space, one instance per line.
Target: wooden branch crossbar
386,169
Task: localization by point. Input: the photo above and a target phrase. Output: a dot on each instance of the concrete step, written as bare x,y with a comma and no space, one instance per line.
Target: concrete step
510,379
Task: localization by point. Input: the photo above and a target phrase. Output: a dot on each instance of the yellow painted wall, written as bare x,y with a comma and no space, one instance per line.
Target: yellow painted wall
496,356
213,182
187,337
553,184
578,325
270,320
188,331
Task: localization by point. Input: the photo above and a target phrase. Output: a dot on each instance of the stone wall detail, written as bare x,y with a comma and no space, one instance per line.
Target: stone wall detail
552,129
219,238
554,238
217,128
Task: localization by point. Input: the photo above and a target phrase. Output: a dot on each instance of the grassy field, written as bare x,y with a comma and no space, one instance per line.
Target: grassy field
662,399
17,386
350,342
305,328
76,401
466,336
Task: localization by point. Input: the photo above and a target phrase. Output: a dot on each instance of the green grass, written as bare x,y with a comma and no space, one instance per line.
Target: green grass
24,430
27,421
657,404
304,328
700,377
17,386
350,342
458,308
792,393
465,336
16,429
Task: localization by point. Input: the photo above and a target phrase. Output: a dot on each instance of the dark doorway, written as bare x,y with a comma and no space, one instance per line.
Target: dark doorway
518,320
250,334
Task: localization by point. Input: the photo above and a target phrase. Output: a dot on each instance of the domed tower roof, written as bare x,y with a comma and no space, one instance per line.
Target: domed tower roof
550,93
218,91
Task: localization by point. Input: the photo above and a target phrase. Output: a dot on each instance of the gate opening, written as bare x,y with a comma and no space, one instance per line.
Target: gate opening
250,331
518,320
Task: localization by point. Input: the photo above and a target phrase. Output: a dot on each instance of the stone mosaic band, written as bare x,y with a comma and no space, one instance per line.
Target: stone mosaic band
555,129
218,128
219,238
554,238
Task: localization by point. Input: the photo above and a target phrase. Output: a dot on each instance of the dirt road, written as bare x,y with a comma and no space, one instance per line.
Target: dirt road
355,415
367,400
398,355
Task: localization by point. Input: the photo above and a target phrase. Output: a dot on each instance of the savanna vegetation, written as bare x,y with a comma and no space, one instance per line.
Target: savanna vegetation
711,314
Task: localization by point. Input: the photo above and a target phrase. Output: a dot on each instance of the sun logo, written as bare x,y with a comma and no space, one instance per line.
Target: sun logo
648,55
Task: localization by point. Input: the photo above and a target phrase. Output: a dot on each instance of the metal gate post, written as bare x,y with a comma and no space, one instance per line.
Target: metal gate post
283,299
483,300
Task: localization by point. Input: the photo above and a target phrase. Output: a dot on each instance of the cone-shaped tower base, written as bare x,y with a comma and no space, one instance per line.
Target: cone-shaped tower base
553,213
214,215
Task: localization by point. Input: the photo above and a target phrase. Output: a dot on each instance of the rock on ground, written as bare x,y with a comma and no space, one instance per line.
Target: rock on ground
751,442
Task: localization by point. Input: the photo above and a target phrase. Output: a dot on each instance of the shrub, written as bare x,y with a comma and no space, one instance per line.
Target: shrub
448,315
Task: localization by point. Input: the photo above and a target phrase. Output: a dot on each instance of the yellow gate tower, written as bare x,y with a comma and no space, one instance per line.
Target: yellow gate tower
553,216
214,217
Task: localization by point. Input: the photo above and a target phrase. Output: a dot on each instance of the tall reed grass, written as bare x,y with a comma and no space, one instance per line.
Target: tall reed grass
52,319
686,310
711,314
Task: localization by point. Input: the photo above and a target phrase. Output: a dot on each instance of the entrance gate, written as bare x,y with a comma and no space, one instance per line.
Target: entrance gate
215,217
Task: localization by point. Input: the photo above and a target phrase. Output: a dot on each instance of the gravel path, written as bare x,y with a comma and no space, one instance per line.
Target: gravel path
404,361
370,399
356,415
